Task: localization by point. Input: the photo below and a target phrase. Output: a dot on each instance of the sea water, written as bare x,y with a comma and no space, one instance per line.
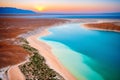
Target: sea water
87,54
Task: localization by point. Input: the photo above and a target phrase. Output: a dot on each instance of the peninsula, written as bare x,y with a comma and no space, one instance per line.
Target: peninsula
107,26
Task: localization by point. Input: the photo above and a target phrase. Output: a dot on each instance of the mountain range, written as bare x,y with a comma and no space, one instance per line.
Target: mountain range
11,10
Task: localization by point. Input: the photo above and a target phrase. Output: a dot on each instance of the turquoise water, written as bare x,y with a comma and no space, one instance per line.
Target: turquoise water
87,54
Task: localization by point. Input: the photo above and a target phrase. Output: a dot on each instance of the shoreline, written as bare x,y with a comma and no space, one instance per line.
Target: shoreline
46,52
17,74
51,60
32,38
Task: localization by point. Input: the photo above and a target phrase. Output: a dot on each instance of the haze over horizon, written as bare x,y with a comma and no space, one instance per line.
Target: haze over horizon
66,6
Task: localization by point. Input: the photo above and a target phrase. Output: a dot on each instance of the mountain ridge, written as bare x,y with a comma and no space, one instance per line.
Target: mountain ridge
12,10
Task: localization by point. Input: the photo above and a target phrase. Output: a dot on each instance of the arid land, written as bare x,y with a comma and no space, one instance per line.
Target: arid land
104,26
11,52
10,28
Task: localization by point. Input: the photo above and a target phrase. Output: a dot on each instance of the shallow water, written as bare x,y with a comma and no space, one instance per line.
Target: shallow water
88,54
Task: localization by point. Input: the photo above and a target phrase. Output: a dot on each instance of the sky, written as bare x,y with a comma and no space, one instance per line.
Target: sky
66,6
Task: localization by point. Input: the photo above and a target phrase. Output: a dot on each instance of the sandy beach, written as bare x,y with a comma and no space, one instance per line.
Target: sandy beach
14,72
46,52
11,53
10,29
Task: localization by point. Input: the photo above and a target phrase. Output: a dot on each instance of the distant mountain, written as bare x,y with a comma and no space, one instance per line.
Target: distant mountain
10,10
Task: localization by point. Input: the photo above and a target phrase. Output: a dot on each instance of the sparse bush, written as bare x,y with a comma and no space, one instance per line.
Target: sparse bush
23,40
36,68
29,48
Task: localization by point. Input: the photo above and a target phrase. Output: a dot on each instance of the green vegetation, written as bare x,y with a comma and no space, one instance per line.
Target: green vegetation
36,68
29,48
23,40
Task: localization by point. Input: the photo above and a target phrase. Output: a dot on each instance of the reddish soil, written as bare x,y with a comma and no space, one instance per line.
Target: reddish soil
10,28
107,26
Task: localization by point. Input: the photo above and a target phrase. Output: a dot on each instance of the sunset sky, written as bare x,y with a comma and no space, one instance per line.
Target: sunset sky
72,6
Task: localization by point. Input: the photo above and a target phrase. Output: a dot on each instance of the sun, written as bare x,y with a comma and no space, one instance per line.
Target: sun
39,8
